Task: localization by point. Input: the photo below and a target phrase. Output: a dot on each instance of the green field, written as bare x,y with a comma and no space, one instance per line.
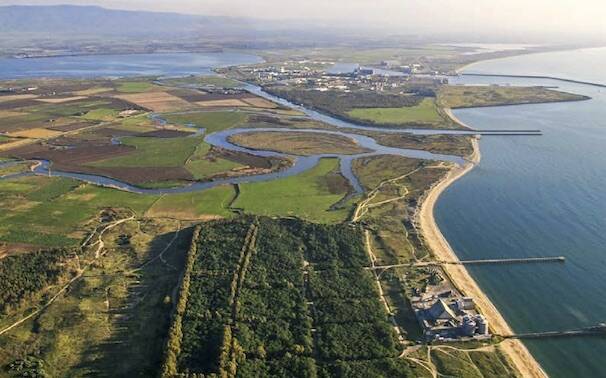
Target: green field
425,112
197,205
211,121
154,152
101,114
308,195
201,167
54,211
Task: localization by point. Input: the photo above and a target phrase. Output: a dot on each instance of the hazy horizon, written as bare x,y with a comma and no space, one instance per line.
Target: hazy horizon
514,20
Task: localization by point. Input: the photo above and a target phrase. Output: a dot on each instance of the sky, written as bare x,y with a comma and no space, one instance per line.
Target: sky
513,17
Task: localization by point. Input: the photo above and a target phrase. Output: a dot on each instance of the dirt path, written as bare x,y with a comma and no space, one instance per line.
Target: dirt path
100,244
390,313
364,205
160,256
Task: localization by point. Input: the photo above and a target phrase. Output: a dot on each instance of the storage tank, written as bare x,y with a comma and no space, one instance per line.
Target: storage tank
468,327
482,325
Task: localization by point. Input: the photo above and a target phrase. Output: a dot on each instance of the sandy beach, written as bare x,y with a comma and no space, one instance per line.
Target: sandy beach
514,349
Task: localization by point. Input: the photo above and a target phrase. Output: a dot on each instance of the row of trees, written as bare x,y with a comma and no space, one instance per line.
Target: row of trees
207,345
175,333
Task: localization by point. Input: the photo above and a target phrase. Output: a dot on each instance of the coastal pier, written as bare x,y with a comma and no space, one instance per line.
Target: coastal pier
522,260
597,330
507,132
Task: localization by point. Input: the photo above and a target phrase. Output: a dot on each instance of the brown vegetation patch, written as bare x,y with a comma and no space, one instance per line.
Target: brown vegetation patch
222,103
10,105
36,133
10,249
111,132
79,153
70,126
247,159
263,118
258,102
11,125
441,144
6,98
131,175
166,133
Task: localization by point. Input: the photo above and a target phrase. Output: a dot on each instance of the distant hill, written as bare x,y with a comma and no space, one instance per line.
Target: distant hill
66,19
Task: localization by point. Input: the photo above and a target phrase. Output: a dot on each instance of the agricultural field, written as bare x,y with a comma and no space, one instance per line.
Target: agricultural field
104,128
461,96
242,317
154,152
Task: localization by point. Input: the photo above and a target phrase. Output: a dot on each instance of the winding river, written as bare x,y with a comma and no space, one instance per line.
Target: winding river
221,139
186,63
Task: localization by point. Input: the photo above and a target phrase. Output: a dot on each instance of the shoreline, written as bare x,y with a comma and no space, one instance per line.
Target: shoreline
514,349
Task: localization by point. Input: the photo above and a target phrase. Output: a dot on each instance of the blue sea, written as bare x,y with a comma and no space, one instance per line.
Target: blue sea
540,196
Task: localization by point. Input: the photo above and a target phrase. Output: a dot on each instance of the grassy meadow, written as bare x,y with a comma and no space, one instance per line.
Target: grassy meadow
425,112
211,121
308,195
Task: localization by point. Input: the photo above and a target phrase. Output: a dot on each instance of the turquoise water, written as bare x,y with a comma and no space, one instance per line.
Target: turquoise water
540,196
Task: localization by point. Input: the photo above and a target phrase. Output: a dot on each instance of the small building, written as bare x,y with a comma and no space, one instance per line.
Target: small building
465,304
